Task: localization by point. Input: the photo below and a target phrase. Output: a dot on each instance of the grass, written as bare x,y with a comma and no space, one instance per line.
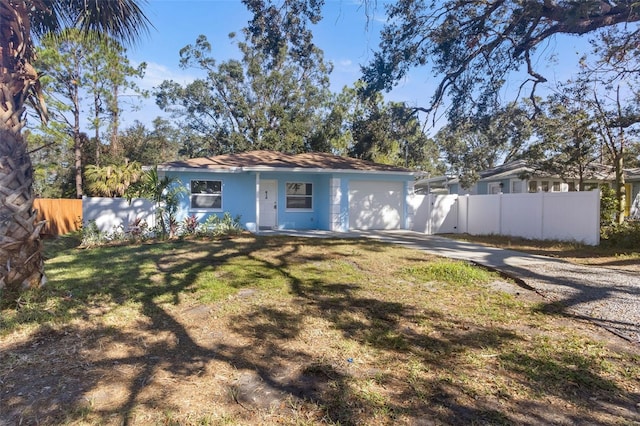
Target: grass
298,331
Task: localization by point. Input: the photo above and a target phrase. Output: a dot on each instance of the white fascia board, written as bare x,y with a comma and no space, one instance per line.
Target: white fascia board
318,170
512,174
282,170
438,179
200,169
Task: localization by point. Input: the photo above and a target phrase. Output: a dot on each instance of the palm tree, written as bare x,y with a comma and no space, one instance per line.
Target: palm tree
21,262
112,180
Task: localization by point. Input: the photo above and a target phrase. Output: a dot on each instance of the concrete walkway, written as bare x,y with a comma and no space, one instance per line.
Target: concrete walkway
608,297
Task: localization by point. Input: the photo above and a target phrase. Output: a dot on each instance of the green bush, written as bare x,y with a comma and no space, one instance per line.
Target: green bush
608,206
624,236
215,226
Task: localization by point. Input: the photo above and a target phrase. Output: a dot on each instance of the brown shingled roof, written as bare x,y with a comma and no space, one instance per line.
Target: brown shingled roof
272,159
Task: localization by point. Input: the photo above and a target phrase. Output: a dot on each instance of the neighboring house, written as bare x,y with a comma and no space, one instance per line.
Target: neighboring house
508,179
514,177
272,190
633,192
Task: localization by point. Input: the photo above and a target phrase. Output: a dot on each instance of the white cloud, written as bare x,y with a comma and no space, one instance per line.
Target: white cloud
156,73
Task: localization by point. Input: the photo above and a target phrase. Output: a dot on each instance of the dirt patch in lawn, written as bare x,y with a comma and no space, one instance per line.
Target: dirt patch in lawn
305,332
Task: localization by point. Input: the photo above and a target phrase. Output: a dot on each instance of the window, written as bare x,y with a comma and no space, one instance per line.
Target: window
206,194
516,186
533,186
555,187
572,186
299,195
545,186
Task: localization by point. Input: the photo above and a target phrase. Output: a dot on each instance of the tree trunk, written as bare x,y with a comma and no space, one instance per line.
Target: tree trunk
21,262
115,123
620,189
77,152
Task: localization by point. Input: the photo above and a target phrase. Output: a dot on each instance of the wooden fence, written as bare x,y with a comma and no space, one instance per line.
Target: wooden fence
62,215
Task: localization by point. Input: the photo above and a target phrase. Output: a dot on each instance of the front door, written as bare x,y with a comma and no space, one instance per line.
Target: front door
268,200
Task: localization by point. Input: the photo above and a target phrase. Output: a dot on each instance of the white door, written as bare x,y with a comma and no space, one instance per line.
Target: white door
268,199
375,205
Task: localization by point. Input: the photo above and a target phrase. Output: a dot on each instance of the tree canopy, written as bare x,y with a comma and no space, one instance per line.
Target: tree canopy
473,45
252,103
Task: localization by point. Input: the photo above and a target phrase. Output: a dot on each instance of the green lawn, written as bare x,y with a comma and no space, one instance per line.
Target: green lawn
285,330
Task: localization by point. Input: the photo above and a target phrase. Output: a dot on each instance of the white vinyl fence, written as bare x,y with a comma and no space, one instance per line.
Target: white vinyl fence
564,216
110,213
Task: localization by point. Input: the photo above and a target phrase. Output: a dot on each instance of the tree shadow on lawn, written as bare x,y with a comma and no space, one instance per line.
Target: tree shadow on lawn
103,372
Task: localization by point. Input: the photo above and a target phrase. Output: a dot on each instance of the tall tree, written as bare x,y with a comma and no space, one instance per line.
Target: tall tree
52,157
608,86
151,146
618,126
253,103
566,143
21,262
110,76
473,45
389,133
62,59
480,143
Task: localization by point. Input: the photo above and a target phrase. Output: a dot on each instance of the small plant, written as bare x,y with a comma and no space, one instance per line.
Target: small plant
91,234
214,226
138,229
190,225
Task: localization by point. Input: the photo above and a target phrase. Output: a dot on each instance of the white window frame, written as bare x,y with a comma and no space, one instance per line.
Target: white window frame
205,194
494,188
298,196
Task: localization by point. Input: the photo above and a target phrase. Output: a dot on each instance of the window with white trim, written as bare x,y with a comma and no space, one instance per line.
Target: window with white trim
299,196
206,194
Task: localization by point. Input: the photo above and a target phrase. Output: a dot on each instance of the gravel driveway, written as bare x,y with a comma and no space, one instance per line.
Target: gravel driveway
608,297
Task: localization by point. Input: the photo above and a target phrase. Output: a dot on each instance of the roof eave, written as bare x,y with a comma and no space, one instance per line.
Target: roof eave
283,170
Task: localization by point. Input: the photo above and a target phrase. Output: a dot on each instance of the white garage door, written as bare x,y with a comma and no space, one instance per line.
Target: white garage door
375,205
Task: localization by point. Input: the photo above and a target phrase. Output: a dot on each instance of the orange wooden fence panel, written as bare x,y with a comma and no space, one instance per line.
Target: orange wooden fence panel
63,215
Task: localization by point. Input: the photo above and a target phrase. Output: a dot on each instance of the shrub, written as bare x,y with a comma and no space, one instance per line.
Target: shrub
608,206
91,235
190,225
623,236
227,225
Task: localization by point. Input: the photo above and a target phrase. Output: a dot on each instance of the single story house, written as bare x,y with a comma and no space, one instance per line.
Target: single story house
633,181
273,190
519,177
513,177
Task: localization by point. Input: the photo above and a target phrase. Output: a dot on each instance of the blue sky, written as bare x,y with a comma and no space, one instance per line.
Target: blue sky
345,34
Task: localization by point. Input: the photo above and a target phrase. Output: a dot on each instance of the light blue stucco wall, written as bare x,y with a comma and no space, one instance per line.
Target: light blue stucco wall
318,216
239,196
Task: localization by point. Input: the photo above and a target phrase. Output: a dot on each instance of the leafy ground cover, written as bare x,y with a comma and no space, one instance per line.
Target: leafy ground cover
284,330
